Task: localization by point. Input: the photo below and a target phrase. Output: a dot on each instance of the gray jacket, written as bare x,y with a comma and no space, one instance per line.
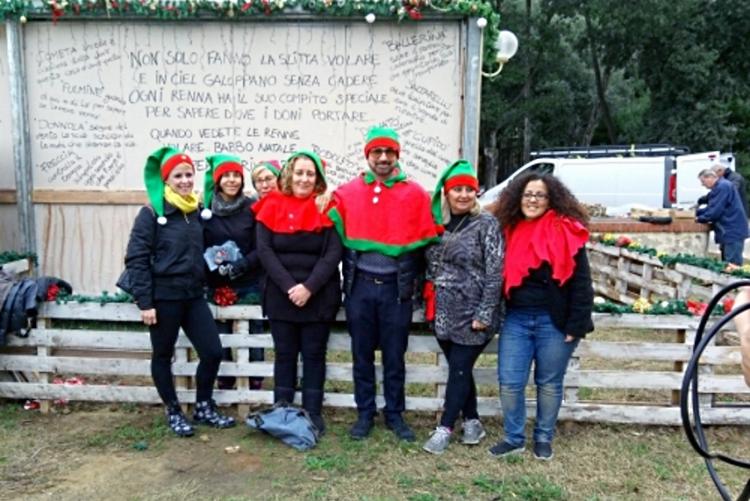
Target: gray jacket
466,267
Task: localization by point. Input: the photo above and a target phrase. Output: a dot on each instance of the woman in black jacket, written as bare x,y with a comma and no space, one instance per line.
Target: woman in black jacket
228,218
165,260
549,300
300,252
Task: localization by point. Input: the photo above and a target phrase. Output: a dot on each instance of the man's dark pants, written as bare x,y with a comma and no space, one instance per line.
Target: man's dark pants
376,319
731,252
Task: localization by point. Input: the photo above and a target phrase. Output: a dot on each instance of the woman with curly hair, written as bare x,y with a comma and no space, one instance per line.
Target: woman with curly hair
549,299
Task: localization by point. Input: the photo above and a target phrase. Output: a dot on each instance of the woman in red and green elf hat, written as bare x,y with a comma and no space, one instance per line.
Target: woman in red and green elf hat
463,291
228,218
165,260
300,253
265,177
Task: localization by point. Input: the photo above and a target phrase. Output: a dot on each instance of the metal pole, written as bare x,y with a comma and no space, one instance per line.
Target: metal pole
20,134
472,91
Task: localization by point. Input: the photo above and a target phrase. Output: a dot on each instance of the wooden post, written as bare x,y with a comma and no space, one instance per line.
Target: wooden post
43,377
678,366
440,361
19,132
648,275
621,284
242,357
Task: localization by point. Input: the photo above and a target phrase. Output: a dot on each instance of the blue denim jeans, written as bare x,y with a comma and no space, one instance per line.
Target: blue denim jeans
529,335
731,252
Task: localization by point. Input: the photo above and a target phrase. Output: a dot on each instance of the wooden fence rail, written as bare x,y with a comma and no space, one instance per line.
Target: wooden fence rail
624,275
115,367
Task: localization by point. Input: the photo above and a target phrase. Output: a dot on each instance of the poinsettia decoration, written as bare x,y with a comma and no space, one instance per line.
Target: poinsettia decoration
52,292
225,296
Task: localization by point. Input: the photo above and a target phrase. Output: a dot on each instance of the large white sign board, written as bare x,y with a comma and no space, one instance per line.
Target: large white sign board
102,96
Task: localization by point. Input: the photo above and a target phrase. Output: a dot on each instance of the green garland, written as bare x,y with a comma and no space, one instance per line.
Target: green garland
10,256
243,9
122,297
104,298
253,298
708,263
238,9
672,307
631,245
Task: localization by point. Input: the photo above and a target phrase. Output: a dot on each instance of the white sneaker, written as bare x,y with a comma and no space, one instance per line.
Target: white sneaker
439,440
473,432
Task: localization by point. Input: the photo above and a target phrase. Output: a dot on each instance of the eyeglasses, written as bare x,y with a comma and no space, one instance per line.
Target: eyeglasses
537,196
377,152
265,180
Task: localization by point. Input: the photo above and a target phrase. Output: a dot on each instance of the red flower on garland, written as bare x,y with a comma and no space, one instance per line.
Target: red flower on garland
696,307
225,296
412,8
623,241
57,11
52,292
728,304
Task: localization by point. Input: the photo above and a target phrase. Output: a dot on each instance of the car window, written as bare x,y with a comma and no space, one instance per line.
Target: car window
543,168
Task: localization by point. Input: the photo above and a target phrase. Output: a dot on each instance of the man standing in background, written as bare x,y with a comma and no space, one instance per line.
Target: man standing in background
736,179
726,215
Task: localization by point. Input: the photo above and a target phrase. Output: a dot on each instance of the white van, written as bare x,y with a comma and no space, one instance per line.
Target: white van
652,181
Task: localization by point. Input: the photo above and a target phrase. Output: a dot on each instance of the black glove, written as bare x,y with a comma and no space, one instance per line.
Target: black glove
234,269
702,200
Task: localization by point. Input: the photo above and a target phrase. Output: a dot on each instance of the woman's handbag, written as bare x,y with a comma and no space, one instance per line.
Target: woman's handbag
290,424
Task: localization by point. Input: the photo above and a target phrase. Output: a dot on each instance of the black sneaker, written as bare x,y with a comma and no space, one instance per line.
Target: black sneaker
178,423
543,451
206,413
361,428
503,448
399,428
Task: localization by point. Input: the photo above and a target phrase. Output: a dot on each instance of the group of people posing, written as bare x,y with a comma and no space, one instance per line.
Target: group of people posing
518,269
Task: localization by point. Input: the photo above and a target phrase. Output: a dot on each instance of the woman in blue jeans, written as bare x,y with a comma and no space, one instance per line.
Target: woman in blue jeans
549,299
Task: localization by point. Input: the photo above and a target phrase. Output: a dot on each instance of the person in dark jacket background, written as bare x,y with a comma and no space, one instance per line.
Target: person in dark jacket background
165,258
228,218
737,180
300,253
725,214
549,300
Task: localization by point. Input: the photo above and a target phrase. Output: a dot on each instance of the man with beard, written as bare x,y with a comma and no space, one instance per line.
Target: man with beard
384,221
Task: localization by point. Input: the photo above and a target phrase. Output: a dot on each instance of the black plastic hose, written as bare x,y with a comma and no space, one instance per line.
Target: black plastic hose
689,392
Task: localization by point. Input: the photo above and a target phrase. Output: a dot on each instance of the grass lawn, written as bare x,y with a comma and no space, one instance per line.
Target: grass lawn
126,452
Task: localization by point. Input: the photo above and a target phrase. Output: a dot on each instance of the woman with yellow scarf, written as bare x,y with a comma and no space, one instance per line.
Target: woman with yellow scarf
165,261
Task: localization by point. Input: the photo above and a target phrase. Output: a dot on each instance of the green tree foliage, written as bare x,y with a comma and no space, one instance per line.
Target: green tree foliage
639,71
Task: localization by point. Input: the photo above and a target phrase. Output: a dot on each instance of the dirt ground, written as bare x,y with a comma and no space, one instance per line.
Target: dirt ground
125,452
115,453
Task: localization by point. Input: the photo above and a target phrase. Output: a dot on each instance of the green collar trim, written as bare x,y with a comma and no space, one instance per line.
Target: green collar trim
372,246
401,176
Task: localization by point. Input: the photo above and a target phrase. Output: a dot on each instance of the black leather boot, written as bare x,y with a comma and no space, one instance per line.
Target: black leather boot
281,394
312,402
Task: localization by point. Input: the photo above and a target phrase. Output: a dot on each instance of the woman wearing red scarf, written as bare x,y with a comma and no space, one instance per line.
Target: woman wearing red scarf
549,300
300,252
